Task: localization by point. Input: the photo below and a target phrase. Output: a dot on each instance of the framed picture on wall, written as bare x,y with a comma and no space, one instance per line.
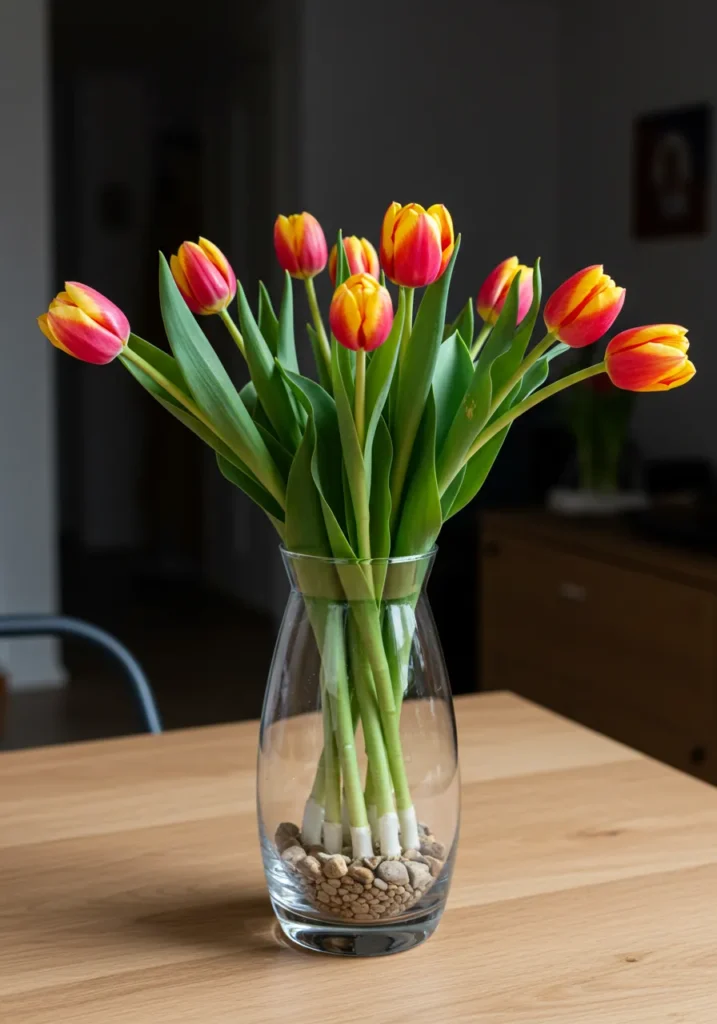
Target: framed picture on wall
671,172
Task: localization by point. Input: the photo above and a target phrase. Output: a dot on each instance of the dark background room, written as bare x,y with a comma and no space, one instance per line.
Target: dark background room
129,128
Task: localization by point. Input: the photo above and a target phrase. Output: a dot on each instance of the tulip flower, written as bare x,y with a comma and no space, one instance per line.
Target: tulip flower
300,245
360,255
85,324
416,244
584,307
204,277
495,288
650,358
361,313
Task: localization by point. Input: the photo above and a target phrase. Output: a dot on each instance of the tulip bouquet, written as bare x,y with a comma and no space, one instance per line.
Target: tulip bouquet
365,459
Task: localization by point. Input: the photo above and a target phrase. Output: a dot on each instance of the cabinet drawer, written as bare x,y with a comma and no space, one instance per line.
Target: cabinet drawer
589,632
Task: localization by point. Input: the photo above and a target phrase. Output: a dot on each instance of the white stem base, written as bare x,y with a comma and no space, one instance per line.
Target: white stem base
312,822
333,836
409,829
361,842
388,835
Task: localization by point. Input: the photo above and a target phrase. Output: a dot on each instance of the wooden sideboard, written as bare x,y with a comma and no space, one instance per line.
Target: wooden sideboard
605,628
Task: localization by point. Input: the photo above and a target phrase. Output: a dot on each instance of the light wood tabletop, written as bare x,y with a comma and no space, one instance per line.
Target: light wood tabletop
585,889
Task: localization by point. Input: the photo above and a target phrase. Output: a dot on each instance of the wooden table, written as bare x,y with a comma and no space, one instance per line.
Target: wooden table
585,890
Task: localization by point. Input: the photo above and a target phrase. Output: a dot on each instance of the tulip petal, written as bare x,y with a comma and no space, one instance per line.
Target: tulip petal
495,288
386,245
97,307
215,254
81,336
44,326
204,279
370,258
645,367
284,245
595,319
570,295
666,334
378,317
417,249
181,281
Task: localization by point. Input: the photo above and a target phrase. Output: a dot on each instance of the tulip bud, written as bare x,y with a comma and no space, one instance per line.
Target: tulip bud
84,324
416,244
300,245
650,358
584,307
361,313
360,255
495,288
204,277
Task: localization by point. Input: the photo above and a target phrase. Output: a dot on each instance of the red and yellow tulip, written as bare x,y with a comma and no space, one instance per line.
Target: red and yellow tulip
495,288
584,307
650,358
361,313
300,245
360,255
416,244
204,277
85,324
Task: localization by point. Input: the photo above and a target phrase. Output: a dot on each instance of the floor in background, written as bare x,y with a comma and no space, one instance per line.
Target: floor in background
206,657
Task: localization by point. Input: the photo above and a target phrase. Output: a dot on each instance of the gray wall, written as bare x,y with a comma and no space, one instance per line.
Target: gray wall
619,60
418,101
27,498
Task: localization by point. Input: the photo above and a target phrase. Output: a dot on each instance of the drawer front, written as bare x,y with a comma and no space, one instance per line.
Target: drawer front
578,633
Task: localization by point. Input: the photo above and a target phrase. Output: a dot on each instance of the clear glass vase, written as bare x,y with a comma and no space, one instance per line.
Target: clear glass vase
358,783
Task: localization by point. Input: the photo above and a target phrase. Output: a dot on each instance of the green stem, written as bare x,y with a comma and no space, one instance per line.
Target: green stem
407,324
529,403
318,322
168,386
333,768
480,340
380,775
336,682
530,360
367,619
360,396
233,330
318,790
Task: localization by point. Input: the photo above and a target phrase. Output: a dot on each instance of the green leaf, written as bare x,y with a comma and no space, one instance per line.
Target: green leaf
451,493
250,398
324,375
416,376
343,271
421,517
474,410
162,361
267,379
451,380
253,489
380,373
211,387
268,323
464,324
357,471
305,530
286,345
380,503
328,460
279,454
477,470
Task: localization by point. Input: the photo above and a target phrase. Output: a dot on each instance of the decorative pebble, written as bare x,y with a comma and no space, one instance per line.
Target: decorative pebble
322,897
335,867
379,883
335,883
435,866
323,857
293,854
419,875
433,849
423,830
309,867
412,855
393,871
372,862
361,874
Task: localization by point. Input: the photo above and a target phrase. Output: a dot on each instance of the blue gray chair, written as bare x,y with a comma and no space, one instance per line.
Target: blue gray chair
64,625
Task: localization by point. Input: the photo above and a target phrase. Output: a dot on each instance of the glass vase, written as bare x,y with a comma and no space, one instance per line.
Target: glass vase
358,782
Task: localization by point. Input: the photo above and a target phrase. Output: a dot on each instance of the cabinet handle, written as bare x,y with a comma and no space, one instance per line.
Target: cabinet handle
572,592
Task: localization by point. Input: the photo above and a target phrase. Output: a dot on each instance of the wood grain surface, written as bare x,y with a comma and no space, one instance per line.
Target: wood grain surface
585,889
